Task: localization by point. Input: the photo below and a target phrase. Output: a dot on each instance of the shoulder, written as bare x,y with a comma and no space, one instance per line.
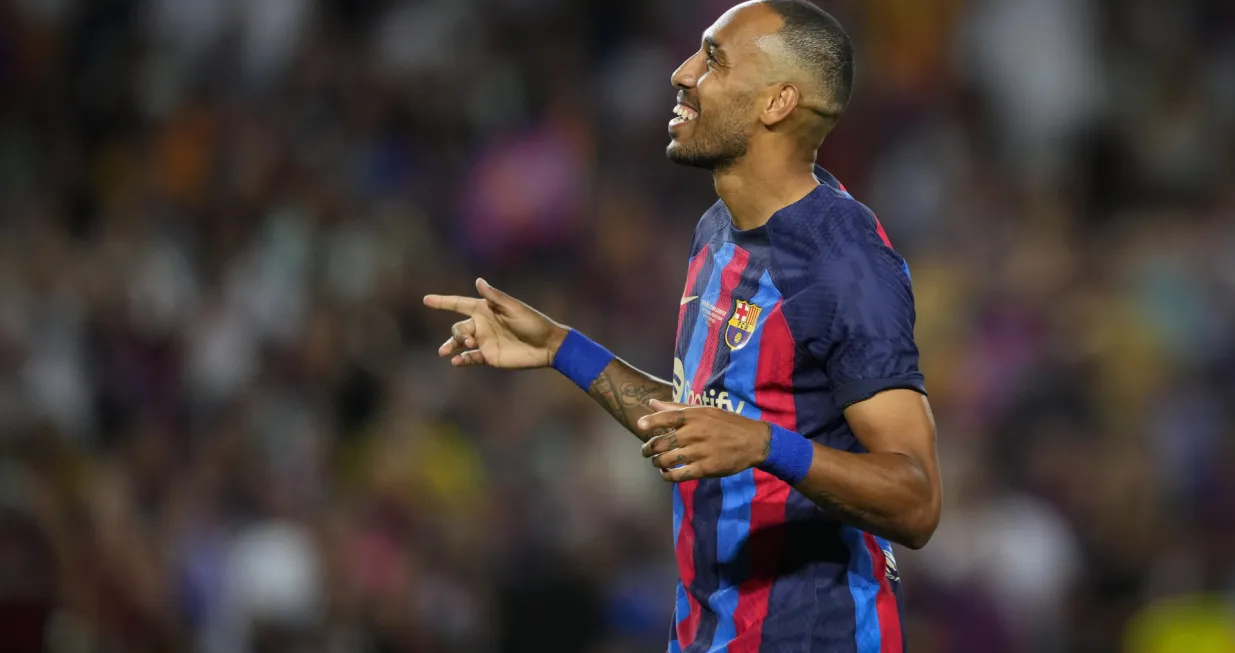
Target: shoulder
832,239
827,224
713,222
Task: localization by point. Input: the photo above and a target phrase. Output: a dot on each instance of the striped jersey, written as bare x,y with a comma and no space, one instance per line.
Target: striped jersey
788,323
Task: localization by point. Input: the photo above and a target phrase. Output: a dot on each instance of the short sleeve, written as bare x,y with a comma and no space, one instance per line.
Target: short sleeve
858,318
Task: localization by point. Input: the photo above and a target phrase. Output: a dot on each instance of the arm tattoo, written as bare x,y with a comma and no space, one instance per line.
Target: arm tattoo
602,391
639,394
856,516
625,392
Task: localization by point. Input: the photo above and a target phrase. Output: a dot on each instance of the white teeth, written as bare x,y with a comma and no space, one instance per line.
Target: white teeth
685,113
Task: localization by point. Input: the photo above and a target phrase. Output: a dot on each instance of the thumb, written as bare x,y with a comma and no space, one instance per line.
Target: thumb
493,295
661,406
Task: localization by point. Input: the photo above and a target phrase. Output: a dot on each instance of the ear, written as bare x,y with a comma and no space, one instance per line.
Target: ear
780,104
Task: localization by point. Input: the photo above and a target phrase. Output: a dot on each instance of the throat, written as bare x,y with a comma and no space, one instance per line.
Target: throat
752,201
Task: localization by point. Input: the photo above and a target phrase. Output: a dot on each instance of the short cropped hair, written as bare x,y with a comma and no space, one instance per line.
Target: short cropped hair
821,46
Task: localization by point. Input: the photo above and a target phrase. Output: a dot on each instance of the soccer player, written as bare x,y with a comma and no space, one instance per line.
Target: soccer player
799,438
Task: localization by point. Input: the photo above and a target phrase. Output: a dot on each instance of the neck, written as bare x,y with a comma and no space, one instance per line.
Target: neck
753,190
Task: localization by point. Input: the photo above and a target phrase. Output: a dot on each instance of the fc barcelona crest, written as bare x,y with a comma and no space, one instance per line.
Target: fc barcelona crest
742,324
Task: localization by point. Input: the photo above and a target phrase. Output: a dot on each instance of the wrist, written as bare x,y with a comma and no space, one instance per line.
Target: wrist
580,359
554,342
789,455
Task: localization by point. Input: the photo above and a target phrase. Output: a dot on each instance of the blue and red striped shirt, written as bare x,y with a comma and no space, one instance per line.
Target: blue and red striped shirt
788,323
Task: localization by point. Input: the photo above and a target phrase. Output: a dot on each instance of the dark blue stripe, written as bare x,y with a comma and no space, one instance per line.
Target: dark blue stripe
810,600
707,514
691,318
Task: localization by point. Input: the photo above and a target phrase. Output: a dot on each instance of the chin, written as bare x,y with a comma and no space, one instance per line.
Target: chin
678,154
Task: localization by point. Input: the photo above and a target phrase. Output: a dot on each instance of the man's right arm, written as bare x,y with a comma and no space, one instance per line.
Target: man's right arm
501,331
624,392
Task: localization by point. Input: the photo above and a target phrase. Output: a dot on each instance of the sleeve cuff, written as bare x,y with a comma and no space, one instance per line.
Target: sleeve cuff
861,390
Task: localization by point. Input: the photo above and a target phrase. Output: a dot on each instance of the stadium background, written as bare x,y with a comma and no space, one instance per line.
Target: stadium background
223,426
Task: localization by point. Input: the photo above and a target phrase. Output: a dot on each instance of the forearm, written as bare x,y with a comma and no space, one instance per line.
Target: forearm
624,392
616,385
886,494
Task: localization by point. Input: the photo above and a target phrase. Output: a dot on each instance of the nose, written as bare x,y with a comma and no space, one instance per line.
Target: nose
687,75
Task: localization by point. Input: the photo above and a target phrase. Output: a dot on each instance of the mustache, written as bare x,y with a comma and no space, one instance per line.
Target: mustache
685,101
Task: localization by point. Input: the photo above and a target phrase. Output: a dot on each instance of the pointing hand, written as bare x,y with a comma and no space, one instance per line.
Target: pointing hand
500,331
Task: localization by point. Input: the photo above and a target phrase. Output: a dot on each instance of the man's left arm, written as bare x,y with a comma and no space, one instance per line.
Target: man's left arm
892,491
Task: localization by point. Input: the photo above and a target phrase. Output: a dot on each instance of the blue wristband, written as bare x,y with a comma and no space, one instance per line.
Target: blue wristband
580,359
789,456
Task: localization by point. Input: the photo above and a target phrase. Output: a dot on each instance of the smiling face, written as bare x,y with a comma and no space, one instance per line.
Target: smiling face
717,109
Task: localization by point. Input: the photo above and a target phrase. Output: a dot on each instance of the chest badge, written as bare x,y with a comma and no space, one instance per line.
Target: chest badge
742,324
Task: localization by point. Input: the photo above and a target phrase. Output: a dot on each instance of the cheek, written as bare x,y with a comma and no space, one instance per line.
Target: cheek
719,107
723,121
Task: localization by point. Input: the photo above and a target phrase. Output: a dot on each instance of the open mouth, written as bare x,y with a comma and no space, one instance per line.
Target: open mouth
684,114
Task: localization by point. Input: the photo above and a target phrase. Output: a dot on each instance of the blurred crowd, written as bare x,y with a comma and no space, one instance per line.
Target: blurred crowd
224,428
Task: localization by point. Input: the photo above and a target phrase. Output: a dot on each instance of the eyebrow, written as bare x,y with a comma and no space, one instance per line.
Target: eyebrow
715,49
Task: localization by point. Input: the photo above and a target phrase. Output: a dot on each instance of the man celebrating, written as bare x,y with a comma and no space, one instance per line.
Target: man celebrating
800,441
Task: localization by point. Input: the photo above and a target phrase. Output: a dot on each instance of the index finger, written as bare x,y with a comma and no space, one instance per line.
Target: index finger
464,305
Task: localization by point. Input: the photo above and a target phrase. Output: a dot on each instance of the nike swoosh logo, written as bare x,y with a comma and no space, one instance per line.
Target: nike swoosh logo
687,300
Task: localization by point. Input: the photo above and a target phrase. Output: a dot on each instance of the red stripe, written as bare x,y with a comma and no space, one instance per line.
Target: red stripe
885,600
692,275
882,234
730,276
773,394
685,554
774,376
